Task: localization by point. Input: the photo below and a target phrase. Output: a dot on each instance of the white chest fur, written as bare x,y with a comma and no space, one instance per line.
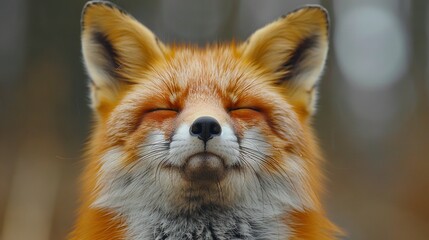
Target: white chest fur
208,224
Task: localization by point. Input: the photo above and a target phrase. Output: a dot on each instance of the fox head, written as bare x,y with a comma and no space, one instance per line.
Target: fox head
181,128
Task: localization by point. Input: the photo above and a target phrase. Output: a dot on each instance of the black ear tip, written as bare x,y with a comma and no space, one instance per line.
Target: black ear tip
108,4
315,7
102,3
320,8
98,2
87,6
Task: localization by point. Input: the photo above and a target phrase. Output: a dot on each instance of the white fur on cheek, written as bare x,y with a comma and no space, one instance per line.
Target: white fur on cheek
298,182
135,184
287,185
110,166
111,161
254,144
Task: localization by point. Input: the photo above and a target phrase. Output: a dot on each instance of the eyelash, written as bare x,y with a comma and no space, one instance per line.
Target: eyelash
244,108
163,109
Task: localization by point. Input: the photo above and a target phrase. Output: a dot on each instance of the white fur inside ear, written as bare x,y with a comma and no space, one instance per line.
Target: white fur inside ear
103,85
96,62
303,87
311,68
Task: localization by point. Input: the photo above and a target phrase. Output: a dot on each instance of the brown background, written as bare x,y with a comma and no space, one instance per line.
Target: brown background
373,118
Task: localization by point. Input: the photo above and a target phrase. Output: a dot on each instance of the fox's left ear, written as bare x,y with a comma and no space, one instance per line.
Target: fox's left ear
294,49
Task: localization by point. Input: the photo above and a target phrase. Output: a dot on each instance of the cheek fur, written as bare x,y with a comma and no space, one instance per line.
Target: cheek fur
257,134
161,122
244,119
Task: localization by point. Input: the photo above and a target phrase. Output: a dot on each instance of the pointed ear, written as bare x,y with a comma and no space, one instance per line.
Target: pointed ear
294,50
117,50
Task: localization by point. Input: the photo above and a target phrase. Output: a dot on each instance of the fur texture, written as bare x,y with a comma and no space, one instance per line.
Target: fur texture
146,95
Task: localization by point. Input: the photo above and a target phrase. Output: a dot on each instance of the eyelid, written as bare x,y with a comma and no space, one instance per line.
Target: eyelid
162,109
244,108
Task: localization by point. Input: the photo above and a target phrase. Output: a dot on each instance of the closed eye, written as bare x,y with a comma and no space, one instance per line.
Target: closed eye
244,108
160,114
248,114
162,109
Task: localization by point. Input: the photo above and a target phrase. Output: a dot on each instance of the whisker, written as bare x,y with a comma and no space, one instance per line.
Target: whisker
258,178
259,156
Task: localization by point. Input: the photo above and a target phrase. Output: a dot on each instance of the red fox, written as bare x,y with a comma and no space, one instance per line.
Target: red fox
207,142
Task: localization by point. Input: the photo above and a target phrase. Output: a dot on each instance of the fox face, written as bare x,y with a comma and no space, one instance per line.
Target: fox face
207,136
188,137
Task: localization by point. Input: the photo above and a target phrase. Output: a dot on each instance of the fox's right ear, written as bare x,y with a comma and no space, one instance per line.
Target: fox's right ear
117,50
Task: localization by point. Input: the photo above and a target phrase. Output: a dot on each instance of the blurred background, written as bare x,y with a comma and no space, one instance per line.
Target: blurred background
373,118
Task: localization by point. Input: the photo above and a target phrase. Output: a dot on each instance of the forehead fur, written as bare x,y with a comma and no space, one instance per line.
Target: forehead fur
217,70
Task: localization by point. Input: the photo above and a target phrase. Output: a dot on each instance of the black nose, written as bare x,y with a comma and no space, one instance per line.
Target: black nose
205,128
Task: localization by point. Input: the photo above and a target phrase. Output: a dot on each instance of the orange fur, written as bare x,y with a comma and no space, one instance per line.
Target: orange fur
95,223
307,225
161,87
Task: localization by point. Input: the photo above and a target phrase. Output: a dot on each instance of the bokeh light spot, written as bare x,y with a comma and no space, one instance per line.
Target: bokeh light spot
371,47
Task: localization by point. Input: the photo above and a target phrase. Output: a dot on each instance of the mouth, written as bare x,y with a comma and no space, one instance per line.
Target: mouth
203,168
